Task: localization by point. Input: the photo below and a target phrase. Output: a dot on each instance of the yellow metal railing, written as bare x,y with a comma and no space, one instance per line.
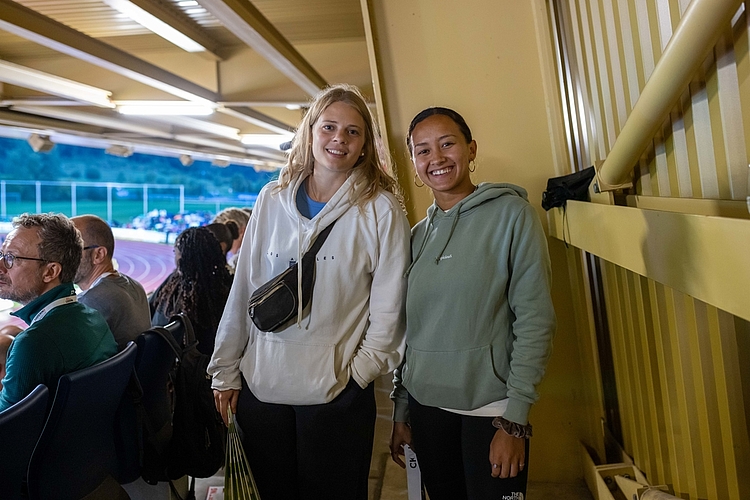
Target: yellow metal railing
699,28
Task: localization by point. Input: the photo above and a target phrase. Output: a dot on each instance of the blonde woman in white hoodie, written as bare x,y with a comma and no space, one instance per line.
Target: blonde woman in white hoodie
304,395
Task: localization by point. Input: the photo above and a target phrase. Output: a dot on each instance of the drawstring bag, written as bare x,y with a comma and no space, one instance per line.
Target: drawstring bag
239,483
573,186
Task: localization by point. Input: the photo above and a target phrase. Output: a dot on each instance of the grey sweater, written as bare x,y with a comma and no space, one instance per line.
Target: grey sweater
123,303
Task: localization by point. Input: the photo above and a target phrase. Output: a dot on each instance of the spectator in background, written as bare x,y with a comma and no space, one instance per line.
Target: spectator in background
38,262
241,216
121,300
226,232
199,286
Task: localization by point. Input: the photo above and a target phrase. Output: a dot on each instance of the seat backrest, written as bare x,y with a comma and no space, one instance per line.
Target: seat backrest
20,427
76,451
179,326
153,365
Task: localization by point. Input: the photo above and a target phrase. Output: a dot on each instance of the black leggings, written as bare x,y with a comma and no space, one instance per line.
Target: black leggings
453,453
310,452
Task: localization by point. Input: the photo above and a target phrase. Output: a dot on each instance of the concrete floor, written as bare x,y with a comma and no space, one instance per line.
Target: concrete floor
388,480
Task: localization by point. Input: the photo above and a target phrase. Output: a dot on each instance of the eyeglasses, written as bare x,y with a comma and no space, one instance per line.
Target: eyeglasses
91,246
8,259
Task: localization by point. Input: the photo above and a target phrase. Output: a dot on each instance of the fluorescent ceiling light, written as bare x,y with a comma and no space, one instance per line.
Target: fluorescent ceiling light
156,25
267,140
28,78
188,3
163,108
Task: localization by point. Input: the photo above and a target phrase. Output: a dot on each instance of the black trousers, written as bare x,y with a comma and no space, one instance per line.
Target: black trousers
310,452
453,454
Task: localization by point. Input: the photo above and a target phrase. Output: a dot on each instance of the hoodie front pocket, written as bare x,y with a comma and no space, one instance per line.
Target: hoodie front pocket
461,380
288,372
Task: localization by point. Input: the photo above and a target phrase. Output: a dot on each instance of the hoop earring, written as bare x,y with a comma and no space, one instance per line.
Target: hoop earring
416,179
472,164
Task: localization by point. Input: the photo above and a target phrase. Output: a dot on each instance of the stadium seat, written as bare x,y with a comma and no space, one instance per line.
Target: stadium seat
154,361
76,451
20,427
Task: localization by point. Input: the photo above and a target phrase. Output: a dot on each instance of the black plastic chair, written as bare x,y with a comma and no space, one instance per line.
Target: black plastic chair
20,428
153,363
76,451
144,427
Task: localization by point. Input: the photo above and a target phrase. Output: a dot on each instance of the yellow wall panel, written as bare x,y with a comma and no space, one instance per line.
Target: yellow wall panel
674,281
689,426
664,376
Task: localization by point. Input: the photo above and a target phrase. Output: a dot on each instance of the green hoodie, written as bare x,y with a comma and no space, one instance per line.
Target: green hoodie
479,316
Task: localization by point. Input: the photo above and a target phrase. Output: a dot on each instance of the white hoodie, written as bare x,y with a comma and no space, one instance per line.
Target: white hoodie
354,326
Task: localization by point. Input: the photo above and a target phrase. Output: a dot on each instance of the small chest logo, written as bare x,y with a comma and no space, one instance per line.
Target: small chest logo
516,495
446,257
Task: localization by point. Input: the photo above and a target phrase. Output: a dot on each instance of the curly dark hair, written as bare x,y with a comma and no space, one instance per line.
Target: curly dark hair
200,285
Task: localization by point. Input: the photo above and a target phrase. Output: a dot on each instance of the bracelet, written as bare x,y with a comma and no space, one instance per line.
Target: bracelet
512,428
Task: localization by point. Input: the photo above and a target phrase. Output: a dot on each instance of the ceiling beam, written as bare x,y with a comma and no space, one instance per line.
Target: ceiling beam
171,15
247,23
110,122
28,78
259,119
24,22
46,125
44,120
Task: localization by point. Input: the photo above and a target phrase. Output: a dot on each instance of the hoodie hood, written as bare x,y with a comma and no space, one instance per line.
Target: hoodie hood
309,229
484,192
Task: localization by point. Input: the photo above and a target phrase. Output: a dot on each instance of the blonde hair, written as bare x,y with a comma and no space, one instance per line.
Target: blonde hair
238,215
374,167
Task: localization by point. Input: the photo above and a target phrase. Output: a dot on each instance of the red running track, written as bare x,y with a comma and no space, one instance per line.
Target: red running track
147,263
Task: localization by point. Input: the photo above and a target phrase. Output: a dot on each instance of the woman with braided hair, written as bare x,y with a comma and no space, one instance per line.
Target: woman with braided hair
199,286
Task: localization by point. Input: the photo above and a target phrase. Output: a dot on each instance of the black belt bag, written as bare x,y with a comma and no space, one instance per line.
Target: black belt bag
276,302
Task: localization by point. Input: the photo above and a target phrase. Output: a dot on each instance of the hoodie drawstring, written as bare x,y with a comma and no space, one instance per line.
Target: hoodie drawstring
299,273
450,235
424,241
422,247
299,268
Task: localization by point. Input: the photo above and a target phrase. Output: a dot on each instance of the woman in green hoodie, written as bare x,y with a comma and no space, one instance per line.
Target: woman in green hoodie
479,323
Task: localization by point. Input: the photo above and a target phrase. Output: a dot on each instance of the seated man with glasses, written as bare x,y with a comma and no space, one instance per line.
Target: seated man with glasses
121,300
38,261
